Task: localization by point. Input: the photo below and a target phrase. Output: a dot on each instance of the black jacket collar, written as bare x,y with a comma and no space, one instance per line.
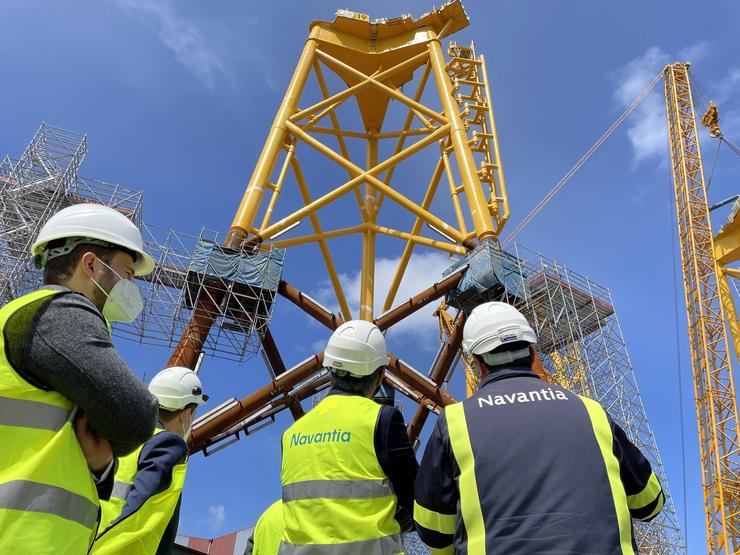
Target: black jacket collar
507,372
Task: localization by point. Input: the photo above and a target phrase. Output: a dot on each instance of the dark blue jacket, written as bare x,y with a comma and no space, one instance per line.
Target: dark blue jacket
524,466
157,459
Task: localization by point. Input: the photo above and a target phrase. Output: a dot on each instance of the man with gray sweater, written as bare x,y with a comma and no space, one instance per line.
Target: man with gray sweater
69,405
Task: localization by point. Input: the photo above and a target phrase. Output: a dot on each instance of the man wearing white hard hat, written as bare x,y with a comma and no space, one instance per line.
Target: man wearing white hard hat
68,403
144,510
525,466
348,467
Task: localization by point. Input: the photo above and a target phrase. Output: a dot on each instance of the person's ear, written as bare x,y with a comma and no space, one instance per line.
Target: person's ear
87,263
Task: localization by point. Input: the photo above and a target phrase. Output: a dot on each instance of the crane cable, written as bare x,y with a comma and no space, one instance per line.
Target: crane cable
679,370
560,184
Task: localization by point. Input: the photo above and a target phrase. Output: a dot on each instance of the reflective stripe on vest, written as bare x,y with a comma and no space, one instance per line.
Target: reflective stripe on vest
386,545
22,495
121,490
32,414
41,504
337,489
336,497
141,531
605,439
470,508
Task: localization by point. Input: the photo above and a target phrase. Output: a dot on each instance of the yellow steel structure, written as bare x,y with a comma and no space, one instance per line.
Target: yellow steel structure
373,60
569,370
709,308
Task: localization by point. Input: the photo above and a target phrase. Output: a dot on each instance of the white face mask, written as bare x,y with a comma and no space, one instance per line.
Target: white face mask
186,432
123,303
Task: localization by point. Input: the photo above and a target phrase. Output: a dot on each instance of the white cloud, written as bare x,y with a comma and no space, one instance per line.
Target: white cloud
216,517
425,269
647,132
696,52
182,37
726,87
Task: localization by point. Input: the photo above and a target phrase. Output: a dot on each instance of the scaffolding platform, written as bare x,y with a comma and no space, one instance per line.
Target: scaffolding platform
239,287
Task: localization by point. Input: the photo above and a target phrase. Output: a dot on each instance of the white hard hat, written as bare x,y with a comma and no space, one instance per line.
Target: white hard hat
177,387
99,222
493,324
357,347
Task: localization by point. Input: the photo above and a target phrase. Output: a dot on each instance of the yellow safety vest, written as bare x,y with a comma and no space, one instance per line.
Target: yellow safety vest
48,499
141,531
335,494
269,530
124,481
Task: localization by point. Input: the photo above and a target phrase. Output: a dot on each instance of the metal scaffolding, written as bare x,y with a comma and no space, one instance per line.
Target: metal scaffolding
46,178
42,181
581,347
239,288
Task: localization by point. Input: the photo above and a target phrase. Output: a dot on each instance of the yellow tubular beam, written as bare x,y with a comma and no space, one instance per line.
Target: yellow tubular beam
728,303
316,237
361,177
330,101
418,239
367,276
453,193
390,91
278,187
404,130
409,248
466,164
330,268
252,199
406,133
340,138
492,129
337,132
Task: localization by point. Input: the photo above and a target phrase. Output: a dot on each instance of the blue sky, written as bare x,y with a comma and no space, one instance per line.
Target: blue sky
177,98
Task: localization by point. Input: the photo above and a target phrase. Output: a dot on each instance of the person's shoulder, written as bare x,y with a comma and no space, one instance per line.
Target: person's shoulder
165,444
68,302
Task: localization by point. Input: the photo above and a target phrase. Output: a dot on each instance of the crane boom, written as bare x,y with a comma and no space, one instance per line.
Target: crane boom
716,406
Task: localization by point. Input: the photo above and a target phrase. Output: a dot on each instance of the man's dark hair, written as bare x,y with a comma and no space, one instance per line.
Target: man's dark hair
359,386
60,269
515,346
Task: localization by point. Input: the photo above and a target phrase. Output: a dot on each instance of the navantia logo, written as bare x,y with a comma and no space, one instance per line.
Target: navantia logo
544,394
334,436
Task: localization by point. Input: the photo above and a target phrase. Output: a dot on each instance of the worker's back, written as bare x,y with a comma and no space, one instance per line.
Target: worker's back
334,488
539,473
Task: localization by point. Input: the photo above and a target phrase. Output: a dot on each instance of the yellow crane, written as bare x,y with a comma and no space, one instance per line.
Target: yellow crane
710,312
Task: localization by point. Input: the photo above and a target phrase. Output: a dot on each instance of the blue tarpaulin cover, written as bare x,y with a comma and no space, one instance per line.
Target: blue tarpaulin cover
490,272
261,269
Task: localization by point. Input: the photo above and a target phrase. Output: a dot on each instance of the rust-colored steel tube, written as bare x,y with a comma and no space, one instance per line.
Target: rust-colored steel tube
418,382
418,301
196,332
439,373
309,306
252,403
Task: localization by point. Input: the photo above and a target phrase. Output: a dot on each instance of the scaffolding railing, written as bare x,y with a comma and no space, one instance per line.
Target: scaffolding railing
582,347
42,181
242,287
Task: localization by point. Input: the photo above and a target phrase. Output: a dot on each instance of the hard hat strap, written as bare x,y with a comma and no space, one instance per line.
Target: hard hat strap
69,245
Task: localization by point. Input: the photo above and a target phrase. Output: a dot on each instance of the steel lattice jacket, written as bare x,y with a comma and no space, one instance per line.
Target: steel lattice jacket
524,466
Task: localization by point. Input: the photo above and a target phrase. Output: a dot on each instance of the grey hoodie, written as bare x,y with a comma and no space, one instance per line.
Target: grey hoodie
64,345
